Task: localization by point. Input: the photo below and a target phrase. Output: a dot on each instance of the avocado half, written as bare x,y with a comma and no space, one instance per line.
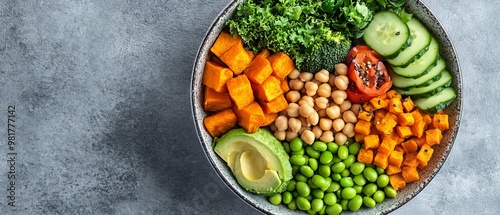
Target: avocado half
258,160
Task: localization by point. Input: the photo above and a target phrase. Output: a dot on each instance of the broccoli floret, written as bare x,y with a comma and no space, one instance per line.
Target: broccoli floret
334,50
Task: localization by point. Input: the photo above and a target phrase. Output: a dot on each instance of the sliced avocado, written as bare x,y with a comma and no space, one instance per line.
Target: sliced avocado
258,160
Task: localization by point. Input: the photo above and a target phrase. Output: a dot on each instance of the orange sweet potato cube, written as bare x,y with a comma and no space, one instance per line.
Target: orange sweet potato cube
240,91
433,136
381,160
440,121
410,146
215,101
393,94
379,103
358,137
397,181
269,119
237,58
282,64
259,70
395,106
405,119
410,173
386,126
251,117
264,53
220,122
396,158
387,146
418,128
404,131
362,127
365,156
224,41
268,90
410,159
216,76
424,155
274,106
371,141
391,169
364,115
408,104
284,85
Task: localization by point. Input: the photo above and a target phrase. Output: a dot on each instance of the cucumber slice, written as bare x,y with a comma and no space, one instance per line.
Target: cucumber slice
424,80
387,34
437,102
430,90
422,65
419,46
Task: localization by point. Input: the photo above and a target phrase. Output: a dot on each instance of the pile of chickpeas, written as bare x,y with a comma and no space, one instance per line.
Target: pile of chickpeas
318,108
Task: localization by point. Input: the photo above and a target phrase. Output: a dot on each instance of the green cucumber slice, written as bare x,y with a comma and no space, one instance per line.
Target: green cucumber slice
419,46
424,80
430,90
387,34
422,65
436,102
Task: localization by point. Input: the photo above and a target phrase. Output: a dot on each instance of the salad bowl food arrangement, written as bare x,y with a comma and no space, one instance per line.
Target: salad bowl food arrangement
326,106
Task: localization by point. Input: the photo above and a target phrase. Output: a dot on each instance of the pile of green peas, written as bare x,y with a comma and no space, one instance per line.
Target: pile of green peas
328,179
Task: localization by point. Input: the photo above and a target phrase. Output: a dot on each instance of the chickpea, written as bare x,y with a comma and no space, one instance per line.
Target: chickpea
273,127
293,96
355,108
296,84
346,105
352,134
340,138
280,135
294,124
306,110
341,82
281,123
348,128
338,124
322,76
341,69
339,96
325,124
294,74
311,88
303,121
292,110
322,113
302,129
317,132
290,135
306,100
306,76
321,102
313,119
327,136
308,137
324,90
333,112
349,117
331,81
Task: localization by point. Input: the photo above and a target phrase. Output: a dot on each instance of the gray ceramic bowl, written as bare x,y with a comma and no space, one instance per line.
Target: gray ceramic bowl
260,203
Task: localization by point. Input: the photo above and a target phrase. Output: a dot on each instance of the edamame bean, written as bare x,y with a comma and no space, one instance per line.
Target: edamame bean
318,193
358,188
303,188
298,160
286,145
299,177
369,202
296,144
336,176
317,204
295,169
311,184
330,199
292,205
276,199
354,148
382,180
379,170
348,193
307,171
357,168
287,197
338,167
320,146
332,147
346,182
344,203
355,203
313,163
334,209
359,179
291,185
343,152
303,203
390,192
349,160
336,159
326,157
379,196
370,174
370,189
334,186
324,170
301,151
319,181
312,152
345,173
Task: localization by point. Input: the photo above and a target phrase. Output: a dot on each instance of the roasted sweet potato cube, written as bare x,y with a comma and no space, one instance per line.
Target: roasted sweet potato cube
251,117
381,160
365,156
404,131
220,122
424,155
433,136
358,137
259,70
284,85
274,106
410,173
215,101
387,146
282,64
362,127
224,41
418,128
240,91
395,106
264,53
371,141
391,169
420,141
397,181
379,103
269,119
386,126
410,159
364,115
408,104
410,146
216,76
237,58
405,119
396,158
393,94
440,121
268,90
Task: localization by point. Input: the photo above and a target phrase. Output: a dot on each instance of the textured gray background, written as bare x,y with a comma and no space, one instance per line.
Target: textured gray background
101,90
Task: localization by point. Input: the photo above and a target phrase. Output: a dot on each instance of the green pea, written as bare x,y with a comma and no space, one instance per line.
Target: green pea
324,170
313,163
307,171
345,173
370,189
298,160
317,204
300,177
382,180
295,169
355,203
357,168
287,197
354,148
390,192
379,170
312,152
370,174
358,188
344,203
333,209
296,144
332,147
346,182
379,196
292,205
334,186
338,167
286,145
275,199
303,188
319,181
301,151
320,146
336,176
369,202
349,160
348,193
359,179
303,203
343,152
291,185
318,193
326,157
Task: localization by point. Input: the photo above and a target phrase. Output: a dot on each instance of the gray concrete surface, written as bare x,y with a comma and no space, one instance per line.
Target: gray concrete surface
103,124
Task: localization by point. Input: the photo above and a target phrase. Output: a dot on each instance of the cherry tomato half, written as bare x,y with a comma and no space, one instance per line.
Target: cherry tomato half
355,96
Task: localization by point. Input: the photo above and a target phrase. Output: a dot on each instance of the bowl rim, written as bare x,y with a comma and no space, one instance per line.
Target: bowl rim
458,106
